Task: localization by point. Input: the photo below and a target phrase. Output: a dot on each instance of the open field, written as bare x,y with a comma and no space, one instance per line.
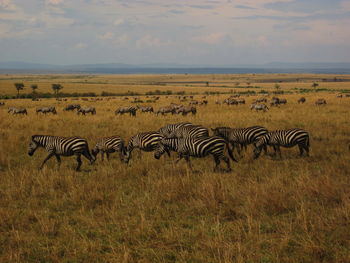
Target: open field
266,210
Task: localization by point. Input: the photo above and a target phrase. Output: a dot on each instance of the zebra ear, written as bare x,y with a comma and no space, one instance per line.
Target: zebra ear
33,137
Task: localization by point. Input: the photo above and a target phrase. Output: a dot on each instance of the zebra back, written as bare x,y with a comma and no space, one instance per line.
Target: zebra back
190,131
170,128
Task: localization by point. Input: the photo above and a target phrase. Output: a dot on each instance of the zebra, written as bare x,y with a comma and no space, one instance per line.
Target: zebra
301,100
190,131
187,109
196,147
170,128
258,107
109,145
72,107
145,141
128,109
320,102
145,108
259,100
2,103
285,138
241,136
46,110
61,146
86,110
14,110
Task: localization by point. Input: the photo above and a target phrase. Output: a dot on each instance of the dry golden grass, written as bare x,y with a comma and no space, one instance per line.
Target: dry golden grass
267,210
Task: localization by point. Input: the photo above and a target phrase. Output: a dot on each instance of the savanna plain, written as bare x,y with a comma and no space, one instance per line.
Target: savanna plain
289,209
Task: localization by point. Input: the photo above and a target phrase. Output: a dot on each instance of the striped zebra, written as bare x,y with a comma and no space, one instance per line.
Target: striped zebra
61,146
109,145
259,107
46,110
241,137
86,110
16,111
196,147
170,128
285,138
128,109
190,131
145,141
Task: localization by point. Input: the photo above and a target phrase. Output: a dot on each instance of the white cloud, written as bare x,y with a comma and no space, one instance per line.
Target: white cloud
212,39
119,21
121,40
106,36
80,45
151,41
7,5
55,2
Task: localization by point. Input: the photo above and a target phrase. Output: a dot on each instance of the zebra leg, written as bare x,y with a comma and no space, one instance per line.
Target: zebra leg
58,158
88,156
227,161
102,155
217,162
279,151
187,158
46,159
301,149
107,154
275,150
79,162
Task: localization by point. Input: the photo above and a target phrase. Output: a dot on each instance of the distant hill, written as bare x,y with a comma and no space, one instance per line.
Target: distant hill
173,68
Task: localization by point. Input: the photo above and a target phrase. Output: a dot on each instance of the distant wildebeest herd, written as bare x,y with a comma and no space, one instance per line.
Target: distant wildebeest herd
186,139
173,108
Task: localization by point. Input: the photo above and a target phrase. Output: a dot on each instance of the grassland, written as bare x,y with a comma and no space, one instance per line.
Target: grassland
266,210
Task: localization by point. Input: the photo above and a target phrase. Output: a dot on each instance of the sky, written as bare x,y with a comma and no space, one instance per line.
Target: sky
213,32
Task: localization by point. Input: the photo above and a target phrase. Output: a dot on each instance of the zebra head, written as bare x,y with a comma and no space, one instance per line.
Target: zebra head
33,145
163,147
94,152
260,144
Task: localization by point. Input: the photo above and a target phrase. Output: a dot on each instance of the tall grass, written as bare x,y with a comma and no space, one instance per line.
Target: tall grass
266,210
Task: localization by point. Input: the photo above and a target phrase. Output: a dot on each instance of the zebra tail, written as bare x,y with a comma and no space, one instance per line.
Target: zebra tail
230,153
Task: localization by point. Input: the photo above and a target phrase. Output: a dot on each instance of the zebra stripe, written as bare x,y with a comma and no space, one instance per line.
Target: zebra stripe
167,130
196,147
195,131
146,141
285,138
61,146
108,145
241,137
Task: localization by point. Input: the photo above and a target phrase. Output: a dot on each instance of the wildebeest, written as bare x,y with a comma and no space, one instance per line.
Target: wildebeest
187,109
259,100
86,110
72,107
301,100
14,110
128,109
166,109
46,110
259,107
145,108
2,103
320,102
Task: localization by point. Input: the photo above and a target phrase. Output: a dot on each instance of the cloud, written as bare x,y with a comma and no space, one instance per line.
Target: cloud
7,5
151,41
212,39
55,2
80,45
119,21
107,36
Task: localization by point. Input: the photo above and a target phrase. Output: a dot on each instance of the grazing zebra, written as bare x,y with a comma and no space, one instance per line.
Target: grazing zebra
2,103
72,107
128,109
187,109
284,138
86,110
259,107
196,147
259,100
145,108
61,146
190,131
168,129
167,109
109,145
46,110
320,102
301,100
241,136
17,111
145,141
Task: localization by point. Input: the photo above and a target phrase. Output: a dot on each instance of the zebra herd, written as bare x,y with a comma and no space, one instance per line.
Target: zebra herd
186,139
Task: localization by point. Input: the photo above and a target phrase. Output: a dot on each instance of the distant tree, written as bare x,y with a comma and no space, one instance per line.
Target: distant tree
207,83
34,87
314,85
56,88
277,86
19,86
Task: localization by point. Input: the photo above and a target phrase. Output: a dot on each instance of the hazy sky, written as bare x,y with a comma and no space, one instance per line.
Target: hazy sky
187,32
